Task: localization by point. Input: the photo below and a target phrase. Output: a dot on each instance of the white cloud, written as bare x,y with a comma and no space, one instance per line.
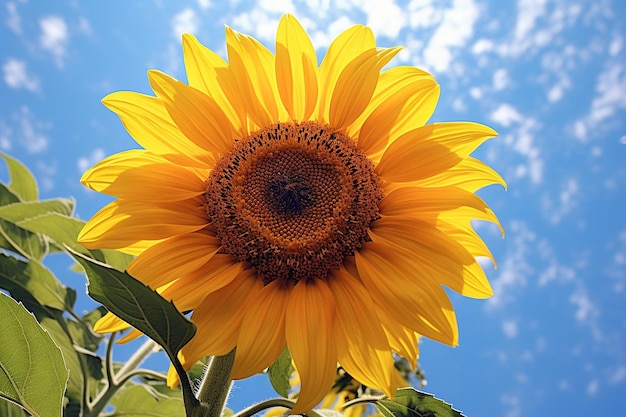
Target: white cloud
185,21
592,387
322,37
54,37
454,32
528,11
381,13
14,21
29,132
506,115
84,26
514,271
204,4
501,79
567,200
16,75
618,375
610,98
586,310
262,21
509,327
481,46
5,136
86,162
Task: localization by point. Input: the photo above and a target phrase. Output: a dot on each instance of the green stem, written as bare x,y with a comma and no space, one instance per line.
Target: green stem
274,402
114,384
364,399
216,383
138,357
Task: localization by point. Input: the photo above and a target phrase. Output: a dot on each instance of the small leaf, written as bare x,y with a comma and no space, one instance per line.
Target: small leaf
32,280
21,211
8,409
138,401
26,244
32,370
7,197
279,373
75,384
138,305
63,230
22,181
410,402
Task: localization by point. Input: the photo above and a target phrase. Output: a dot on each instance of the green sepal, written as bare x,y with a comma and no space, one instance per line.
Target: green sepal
280,372
410,402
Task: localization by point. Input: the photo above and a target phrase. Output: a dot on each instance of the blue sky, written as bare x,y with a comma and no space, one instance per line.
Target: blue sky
550,76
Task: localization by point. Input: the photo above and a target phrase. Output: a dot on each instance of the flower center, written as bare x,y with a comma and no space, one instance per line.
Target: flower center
293,200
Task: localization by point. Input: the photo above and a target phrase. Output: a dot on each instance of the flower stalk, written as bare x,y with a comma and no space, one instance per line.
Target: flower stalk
216,383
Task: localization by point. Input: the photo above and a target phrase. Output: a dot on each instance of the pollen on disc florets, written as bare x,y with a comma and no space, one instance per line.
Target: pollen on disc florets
293,200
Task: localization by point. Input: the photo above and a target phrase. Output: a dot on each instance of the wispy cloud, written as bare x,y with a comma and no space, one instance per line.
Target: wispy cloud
455,31
609,99
85,162
14,20
16,76
186,21
54,37
29,131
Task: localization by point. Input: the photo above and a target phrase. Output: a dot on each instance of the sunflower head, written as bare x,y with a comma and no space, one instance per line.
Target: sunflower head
291,203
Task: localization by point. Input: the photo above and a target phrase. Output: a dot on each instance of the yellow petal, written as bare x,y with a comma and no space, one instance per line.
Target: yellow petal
197,115
402,340
309,330
143,176
253,67
110,323
148,122
413,157
296,69
123,223
414,301
355,86
173,258
461,138
188,291
218,318
362,346
406,102
469,174
416,201
262,335
464,276
343,49
209,73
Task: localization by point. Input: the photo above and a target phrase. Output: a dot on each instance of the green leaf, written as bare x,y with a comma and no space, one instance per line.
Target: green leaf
138,401
410,402
21,211
8,409
75,384
27,244
32,370
22,181
63,230
7,197
32,280
138,305
280,372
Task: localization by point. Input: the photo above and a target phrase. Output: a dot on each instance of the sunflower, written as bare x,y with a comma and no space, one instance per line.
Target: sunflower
294,204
